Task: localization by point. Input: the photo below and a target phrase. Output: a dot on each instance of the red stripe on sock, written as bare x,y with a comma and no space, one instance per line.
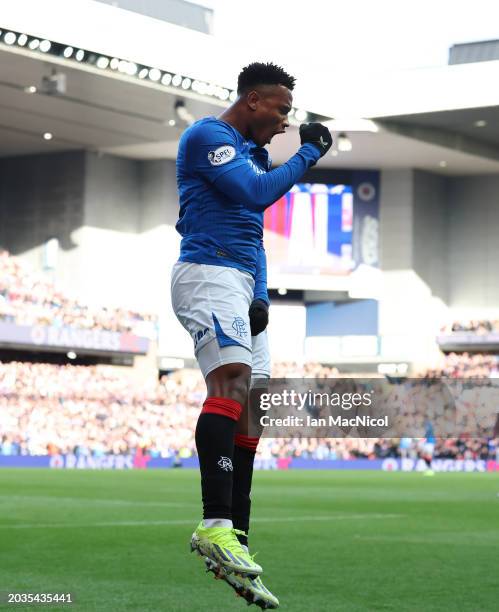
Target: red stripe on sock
246,442
223,406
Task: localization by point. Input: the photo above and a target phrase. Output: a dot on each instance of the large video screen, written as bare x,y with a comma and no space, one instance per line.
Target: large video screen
309,231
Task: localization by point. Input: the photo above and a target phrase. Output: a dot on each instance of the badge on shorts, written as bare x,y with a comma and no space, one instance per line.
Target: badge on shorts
239,326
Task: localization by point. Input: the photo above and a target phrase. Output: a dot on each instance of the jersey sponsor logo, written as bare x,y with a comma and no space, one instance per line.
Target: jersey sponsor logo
239,326
222,155
225,463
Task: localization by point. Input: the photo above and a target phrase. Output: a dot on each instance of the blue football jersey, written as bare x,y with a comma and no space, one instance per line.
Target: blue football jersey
225,184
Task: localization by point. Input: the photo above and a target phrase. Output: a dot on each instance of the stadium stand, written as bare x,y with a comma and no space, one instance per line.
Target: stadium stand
96,410
465,365
476,326
29,298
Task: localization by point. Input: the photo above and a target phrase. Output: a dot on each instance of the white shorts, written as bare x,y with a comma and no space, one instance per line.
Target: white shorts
429,448
212,303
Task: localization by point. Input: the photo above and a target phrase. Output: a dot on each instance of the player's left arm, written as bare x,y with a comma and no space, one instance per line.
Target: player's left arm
259,309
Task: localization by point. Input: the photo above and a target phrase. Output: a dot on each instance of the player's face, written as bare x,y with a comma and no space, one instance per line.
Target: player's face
271,105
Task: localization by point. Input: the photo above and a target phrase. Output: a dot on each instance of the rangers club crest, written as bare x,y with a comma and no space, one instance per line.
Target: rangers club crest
239,326
225,463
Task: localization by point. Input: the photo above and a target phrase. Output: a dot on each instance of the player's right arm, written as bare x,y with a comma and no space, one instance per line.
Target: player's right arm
213,151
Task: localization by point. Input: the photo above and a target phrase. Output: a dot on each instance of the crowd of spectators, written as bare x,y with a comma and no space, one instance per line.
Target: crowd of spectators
30,298
466,365
474,326
99,410
377,448
94,410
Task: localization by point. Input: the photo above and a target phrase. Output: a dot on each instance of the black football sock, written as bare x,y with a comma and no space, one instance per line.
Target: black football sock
244,457
215,431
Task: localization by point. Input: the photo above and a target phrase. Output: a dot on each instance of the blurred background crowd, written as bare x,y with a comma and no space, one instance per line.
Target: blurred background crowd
30,298
477,327
98,410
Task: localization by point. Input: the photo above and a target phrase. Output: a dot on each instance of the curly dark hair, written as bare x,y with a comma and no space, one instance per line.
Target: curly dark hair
259,73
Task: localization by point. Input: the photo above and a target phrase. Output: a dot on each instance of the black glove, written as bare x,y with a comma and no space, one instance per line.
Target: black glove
318,135
258,316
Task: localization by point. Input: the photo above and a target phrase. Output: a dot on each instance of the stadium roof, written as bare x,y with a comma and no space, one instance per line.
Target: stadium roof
440,119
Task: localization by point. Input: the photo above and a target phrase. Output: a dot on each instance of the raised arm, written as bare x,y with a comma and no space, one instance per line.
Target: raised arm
258,191
215,156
